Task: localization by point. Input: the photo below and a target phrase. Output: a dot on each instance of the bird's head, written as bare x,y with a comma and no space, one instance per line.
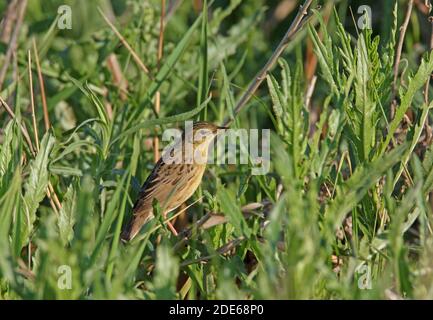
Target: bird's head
200,138
204,132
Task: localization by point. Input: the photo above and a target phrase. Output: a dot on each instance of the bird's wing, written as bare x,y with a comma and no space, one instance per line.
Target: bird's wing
165,184
161,185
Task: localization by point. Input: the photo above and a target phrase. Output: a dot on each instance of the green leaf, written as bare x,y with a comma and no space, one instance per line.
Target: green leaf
88,92
354,189
73,147
35,186
363,101
9,205
228,94
168,66
277,99
109,217
417,130
6,149
325,56
203,73
153,122
166,273
122,208
231,209
66,219
415,83
65,171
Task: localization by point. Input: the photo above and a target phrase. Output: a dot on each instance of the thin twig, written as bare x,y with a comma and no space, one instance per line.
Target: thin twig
126,44
50,190
13,41
32,101
186,234
428,129
168,220
258,79
158,94
52,194
310,91
42,88
15,74
403,29
155,138
161,34
118,78
51,198
172,7
427,84
221,250
7,23
182,210
23,128
212,219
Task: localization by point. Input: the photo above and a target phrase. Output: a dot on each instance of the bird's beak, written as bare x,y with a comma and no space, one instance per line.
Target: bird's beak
223,128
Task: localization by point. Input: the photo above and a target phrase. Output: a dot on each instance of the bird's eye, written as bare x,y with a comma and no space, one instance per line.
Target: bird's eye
202,134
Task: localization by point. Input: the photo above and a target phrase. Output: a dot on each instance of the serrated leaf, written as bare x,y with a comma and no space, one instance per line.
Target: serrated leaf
363,101
354,189
6,149
36,186
324,56
9,207
66,215
415,83
277,100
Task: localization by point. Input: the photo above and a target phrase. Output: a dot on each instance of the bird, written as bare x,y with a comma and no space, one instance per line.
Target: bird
174,178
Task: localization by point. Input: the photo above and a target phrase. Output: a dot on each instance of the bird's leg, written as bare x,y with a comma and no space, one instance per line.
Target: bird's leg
172,229
170,226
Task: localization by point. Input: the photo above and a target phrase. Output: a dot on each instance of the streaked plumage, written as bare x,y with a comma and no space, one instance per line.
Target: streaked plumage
170,184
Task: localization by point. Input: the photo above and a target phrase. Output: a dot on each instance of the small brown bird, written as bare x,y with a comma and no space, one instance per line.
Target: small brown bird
174,178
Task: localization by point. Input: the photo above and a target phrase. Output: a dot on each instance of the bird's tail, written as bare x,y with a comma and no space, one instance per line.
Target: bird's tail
133,227
127,234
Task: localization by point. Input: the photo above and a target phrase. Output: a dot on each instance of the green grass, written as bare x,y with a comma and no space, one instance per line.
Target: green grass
349,182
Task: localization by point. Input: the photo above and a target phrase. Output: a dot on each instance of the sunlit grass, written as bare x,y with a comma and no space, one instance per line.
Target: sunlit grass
344,212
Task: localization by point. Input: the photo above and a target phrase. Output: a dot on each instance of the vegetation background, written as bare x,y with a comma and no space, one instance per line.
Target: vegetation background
344,213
